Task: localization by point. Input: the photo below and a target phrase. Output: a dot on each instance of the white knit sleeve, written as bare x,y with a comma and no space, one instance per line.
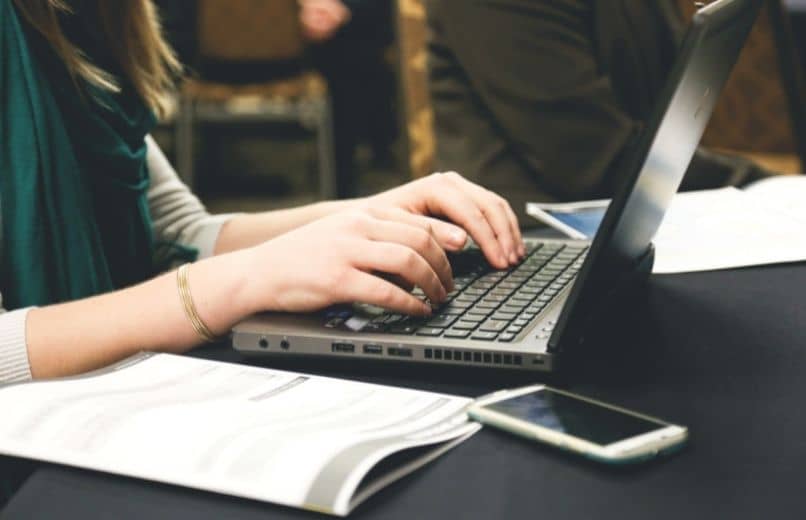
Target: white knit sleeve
177,215
14,366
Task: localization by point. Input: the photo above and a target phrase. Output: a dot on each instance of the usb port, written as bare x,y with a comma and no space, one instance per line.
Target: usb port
373,349
348,348
399,351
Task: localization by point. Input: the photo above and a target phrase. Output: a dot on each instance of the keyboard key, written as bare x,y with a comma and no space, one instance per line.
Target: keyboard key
403,329
442,320
492,277
506,336
503,315
513,307
493,325
465,299
374,327
576,248
466,324
430,331
483,335
457,334
519,279
454,308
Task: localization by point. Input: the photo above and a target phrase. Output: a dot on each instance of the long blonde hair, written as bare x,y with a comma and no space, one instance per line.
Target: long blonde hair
132,31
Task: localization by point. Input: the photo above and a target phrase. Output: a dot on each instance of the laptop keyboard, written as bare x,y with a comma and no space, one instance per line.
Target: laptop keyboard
490,305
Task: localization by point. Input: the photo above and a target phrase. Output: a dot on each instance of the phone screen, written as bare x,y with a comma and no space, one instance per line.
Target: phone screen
575,417
586,221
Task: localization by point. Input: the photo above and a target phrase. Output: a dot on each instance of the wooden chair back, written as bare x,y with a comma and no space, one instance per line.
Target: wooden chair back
249,30
418,115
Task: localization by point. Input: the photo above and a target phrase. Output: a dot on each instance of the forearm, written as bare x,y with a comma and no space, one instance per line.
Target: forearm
249,230
83,335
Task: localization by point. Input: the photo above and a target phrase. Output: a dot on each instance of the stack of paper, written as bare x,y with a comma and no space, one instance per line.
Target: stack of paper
727,228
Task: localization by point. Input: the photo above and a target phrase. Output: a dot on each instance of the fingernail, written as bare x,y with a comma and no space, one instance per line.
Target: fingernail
513,258
522,250
458,237
502,260
427,310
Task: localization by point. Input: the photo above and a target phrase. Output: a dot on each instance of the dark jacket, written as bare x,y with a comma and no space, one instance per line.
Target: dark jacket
538,99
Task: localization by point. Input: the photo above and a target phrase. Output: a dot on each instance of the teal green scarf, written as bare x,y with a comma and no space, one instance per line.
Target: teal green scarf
73,177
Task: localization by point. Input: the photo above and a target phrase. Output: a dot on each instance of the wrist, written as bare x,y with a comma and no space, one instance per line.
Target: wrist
330,207
220,288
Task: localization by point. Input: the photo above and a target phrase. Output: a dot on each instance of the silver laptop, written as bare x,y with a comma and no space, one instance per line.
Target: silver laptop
526,317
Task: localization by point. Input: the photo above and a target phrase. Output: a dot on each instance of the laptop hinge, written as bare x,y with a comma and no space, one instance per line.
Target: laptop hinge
630,279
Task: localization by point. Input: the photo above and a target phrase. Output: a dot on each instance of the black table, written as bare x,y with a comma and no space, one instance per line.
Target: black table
723,353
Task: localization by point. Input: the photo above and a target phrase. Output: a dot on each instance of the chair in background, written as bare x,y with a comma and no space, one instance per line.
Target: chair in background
251,69
418,116
762,112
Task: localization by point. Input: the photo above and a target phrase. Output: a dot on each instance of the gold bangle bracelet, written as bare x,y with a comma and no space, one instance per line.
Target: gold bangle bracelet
190,309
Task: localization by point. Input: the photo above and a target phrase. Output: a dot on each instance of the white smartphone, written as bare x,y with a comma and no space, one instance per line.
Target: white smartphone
577,220
594,429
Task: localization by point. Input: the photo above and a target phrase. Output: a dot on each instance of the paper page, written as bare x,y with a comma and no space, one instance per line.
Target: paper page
786,193
293,439
718,229
725,228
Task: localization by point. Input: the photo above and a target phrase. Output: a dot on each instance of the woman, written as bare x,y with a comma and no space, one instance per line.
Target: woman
89,202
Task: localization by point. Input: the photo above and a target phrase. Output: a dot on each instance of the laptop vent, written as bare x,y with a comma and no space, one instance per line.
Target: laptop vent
465,356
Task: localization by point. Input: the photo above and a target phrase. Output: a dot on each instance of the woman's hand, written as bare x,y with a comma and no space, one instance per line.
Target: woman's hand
486,216
365,255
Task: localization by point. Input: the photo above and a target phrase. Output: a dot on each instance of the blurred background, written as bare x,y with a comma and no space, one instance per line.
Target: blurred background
291,101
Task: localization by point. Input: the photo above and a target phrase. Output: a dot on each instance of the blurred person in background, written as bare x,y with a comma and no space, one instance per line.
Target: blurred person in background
349,41
540,99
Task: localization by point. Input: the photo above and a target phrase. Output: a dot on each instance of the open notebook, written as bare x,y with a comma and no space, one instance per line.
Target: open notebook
304,441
